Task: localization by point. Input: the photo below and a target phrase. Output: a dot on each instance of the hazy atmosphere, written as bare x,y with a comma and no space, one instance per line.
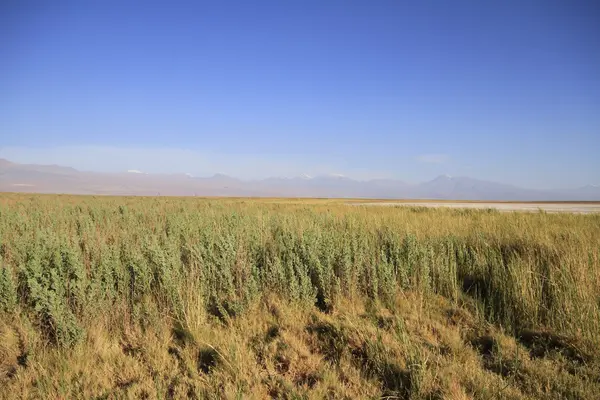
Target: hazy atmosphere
508,92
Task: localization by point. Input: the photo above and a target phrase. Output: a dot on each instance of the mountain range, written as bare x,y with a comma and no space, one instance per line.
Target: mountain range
32,178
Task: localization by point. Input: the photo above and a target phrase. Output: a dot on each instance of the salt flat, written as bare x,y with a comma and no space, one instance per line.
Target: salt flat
578,208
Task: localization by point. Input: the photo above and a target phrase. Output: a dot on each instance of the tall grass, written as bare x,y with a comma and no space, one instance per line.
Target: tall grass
113,297
66,260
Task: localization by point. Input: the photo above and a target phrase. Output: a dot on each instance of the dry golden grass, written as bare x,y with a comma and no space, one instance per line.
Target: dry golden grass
235,298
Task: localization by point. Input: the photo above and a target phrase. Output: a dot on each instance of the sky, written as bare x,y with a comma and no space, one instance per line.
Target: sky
504,91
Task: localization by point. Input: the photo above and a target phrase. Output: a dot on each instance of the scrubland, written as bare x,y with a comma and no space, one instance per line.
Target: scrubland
158,298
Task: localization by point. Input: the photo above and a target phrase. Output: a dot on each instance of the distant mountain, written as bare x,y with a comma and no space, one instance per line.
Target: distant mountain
464,188
7,166
58,179
585,193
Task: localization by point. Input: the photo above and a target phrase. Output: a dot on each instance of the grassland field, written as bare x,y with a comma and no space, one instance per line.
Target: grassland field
169,298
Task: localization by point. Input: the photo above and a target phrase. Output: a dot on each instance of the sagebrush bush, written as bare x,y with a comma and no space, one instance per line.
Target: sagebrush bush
8,292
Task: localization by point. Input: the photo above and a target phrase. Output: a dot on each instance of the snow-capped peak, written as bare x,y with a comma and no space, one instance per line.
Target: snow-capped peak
134,171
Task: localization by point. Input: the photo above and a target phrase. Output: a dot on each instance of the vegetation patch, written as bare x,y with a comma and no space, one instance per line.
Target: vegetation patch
543,343
116,297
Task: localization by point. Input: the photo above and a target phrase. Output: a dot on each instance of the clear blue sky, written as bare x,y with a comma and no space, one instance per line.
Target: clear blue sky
506,91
